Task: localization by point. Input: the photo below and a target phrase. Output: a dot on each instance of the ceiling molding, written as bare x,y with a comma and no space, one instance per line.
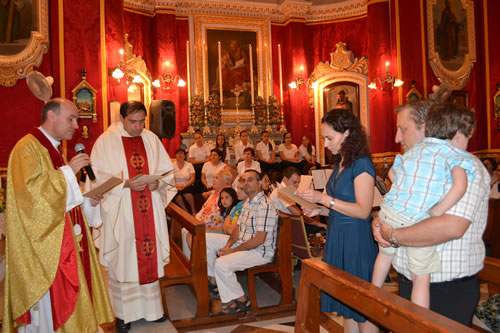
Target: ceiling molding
278,11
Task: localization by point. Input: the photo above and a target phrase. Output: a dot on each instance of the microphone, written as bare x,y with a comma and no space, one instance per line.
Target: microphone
80,149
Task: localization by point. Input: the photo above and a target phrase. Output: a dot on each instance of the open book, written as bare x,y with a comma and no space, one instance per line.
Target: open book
320,178
151,178
108,185
288,193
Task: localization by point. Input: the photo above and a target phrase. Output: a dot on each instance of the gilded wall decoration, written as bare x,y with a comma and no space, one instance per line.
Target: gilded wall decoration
15,66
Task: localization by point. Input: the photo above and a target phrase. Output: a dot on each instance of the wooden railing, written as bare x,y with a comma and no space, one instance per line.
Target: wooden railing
388,310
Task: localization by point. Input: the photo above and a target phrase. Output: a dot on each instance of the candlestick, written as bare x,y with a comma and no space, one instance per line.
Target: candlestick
204,73
220,76
251,72
190,127
281,76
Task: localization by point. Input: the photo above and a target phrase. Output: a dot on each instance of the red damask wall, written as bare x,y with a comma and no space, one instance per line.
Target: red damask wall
163,37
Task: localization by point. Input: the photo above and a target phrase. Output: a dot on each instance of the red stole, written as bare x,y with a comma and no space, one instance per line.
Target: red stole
65,287
142,207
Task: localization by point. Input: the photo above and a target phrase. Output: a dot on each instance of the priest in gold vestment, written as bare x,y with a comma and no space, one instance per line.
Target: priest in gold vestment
53,280
133,240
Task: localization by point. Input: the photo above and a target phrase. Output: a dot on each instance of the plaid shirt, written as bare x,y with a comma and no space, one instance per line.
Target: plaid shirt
461,257
259,214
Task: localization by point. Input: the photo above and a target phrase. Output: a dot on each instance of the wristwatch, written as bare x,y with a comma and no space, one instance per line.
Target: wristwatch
332,203
393,240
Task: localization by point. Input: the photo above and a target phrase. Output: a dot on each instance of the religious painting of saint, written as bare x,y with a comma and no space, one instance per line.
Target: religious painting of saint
17,20
450,33
342,95
235,64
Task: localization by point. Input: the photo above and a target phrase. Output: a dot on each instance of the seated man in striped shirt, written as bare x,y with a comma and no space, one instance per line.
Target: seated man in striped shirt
253,243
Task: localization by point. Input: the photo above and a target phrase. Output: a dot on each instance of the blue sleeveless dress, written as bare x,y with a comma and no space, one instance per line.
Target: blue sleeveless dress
349,241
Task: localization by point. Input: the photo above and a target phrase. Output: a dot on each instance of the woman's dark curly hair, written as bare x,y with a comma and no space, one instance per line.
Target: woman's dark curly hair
355,144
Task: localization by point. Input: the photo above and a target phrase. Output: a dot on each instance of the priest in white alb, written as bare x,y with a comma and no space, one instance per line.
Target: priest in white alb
133,240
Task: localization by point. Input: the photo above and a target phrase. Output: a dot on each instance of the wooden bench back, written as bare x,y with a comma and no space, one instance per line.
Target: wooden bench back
395,313
197,264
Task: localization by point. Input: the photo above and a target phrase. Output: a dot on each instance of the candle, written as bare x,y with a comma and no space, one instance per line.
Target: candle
188,73
267,92
220,75
251,71
281,77
204,66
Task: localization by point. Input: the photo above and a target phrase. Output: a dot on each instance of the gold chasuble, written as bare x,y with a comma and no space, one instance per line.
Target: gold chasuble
42,251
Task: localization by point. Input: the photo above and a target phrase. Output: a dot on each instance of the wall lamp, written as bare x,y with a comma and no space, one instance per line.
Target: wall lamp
298,81
168,80
392,80
118,72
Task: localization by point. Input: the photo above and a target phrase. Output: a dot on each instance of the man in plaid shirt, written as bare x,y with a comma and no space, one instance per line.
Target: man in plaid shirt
457,234
252,244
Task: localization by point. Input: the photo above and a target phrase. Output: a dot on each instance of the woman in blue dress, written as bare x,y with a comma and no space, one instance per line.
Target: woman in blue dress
348,204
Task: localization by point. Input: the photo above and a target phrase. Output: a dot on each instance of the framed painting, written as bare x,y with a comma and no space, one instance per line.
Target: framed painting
235,64
451,40
235,34
84,97
342,95
24,38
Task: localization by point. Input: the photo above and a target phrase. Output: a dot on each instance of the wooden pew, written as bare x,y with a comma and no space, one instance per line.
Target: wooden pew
182,270
281,266
392,312
491,274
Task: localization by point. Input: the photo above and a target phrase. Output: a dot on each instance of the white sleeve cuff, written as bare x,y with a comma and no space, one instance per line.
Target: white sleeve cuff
74,195
92,213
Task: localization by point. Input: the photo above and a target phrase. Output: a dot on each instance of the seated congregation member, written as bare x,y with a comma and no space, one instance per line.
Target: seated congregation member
210,168
234,174
215,221
221,179
248,162
265,153
221,144
228,199
240,146
495,188
253,243
291,177
289,153
184,176
307,154
198,154
231,221
267,185
491,165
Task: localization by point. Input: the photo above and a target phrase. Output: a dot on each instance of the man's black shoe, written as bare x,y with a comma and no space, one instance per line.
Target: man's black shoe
162,319
121,327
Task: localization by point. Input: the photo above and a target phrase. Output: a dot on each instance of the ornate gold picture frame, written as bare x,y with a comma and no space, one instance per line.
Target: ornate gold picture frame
84,97
15,66
238,28
451,40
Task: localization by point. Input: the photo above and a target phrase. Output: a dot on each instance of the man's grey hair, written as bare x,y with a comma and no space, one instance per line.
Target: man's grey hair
418,110
52,105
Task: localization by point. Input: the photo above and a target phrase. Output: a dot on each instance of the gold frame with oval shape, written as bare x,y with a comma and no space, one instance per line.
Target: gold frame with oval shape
15,67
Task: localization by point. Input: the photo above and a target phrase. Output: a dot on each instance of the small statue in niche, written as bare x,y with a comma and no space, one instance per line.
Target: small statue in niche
85,132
